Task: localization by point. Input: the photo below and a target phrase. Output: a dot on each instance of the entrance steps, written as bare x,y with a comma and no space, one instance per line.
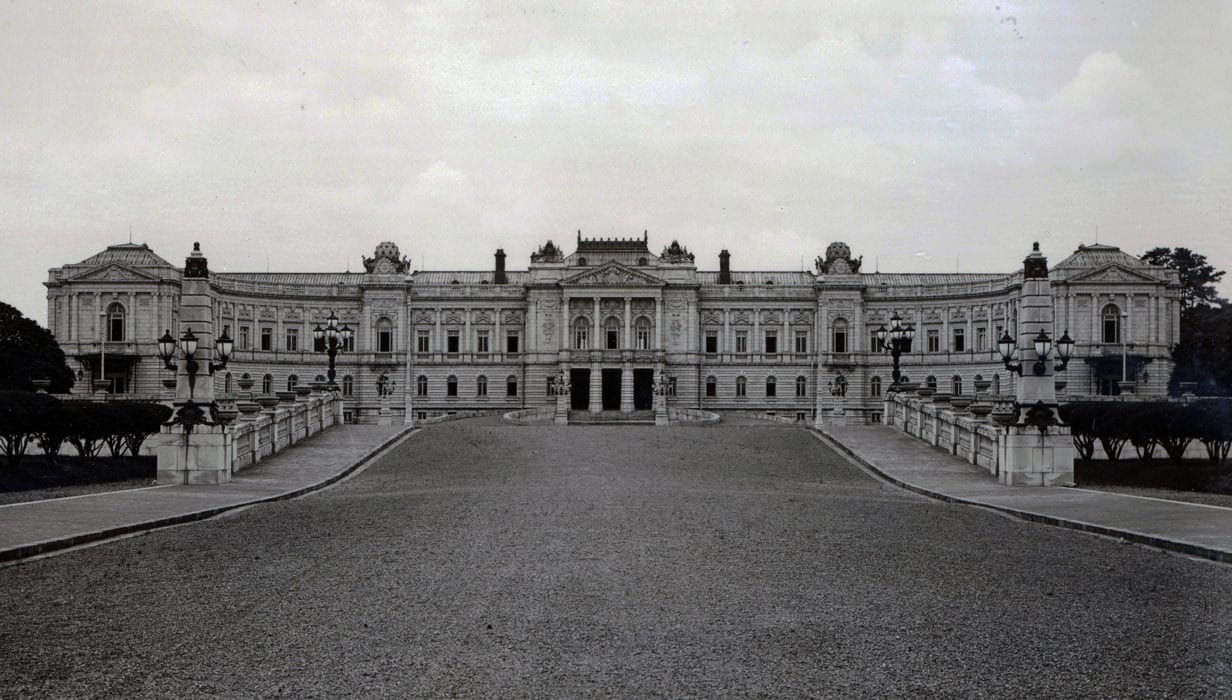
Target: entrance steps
611,418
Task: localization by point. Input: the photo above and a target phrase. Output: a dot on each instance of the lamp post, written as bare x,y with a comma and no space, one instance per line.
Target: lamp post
1042,345
896,340
190,412
1124,362
335,340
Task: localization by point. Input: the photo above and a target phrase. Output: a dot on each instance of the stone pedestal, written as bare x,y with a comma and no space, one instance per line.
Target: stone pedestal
203,456
385,416
1032,458
660,405
561,417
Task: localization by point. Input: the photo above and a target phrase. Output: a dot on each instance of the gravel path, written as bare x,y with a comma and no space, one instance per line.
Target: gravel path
482,560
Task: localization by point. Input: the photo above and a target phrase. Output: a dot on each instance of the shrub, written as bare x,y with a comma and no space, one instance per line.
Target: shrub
1212,424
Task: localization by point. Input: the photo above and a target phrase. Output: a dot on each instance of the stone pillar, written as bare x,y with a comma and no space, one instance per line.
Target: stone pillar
1038,450
628,340
200,454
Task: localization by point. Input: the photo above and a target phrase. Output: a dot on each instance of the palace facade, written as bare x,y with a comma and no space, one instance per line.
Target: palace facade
612,315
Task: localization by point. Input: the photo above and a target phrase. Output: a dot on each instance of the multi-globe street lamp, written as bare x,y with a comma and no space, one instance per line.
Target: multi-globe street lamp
1042,345
335,340
190,412
896,340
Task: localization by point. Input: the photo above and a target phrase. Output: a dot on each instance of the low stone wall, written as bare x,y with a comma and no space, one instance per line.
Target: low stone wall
977,440
692,415
261,431
540,415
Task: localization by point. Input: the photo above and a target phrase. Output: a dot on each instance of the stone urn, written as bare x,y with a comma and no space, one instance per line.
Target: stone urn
267,401
1004,417
319,388
980,410
925,390
285,396
302,391
961,403
226,416
249,407
982,385
942,397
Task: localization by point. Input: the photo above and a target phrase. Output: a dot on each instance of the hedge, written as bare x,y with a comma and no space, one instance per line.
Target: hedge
1150,424
27,417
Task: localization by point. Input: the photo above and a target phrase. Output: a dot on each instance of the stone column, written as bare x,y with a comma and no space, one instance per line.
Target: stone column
200,454
596,366
1038,450
628,340
626,369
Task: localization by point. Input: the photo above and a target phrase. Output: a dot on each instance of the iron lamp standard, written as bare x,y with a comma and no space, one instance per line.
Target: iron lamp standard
190,412
335,340
896,340
1042,345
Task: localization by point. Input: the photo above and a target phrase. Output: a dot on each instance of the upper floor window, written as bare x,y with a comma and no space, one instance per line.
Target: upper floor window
643,334
481,343
384,335
611,334
267,338
1112,324
292,339
931,382
840,335
772,342
453,341
981,339
581,334
960,340
956,385
244,340
801,341
934,340
511,342
712,342
226,383
115,323
742,342
422,341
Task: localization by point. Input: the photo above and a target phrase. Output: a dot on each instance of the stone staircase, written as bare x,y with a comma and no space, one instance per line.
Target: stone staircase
611,418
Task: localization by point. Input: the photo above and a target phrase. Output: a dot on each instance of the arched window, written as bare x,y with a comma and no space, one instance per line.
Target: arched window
348,385
581,334
1111,324
771,387
384,335
115,323
840,386
642,333
839,335
511,386
421,385
292,380
451,386
319,378
931,382
481,386
956,385
996,384
742,387
267,384
801,386
611,333
641,261
874,386
581,262
226,383
712,387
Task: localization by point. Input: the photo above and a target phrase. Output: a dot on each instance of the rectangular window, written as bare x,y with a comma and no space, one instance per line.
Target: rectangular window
1112,329
481,342
511,344
385,340
318,344
481,387
840,340
741,387
452,342
771,389
772,342
960,340
348,344
244,339
712,342
581,338
742,341
712,388
876,344
801,386
511,387
613,340
801,341
267,339
934,341
643,338
671,386
423,341
292,339
981,339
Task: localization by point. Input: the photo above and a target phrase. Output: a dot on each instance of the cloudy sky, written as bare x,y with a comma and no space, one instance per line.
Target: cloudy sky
945,136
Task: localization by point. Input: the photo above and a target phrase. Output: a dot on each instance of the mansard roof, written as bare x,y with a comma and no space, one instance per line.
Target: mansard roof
803,279
129,254
441,278
305,278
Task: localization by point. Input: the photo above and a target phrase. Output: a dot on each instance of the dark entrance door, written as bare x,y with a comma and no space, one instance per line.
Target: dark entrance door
611,390
579,389
643,389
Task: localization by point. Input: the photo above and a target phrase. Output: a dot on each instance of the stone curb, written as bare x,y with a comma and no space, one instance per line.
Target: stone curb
26,551
1188,548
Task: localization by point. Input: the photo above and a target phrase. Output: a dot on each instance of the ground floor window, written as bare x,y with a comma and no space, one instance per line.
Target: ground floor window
511,386
481,386
712,387
451,386
741,386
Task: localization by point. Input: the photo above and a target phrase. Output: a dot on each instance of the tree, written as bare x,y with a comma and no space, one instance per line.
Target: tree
27,352
1198,277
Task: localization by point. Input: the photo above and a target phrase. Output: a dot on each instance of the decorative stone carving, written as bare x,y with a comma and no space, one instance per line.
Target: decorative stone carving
771,318
512,317
801,317
386,260
548,252
613,275
454,316
742,317
481,316
838,261
676,253
712,317
425,317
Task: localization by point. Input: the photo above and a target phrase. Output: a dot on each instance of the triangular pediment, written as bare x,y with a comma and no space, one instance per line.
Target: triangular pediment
1112,273
113,273
612,274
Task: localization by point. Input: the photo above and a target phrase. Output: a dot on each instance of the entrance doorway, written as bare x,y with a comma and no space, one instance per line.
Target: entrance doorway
611,389
643,389
579,389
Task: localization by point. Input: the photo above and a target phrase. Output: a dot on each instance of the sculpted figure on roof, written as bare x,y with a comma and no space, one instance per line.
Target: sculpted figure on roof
676,253
386,260
838,261
548,252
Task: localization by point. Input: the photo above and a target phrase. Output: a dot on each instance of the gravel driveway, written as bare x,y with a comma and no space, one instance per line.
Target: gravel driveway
483,560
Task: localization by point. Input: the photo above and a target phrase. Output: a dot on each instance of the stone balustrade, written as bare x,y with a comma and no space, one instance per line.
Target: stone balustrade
979,440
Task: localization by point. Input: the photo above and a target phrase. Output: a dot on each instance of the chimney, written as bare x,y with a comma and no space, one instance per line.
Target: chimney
499,277
724,267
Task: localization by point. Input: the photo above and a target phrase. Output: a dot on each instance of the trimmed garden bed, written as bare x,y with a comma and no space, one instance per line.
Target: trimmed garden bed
34,479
